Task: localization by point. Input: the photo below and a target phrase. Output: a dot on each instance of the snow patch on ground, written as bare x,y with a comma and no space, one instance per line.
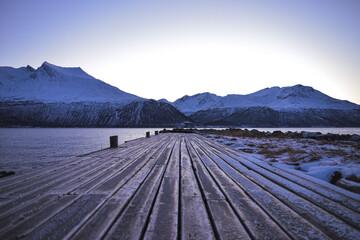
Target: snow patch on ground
320,159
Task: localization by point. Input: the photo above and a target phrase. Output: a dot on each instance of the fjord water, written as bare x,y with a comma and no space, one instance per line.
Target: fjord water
27,148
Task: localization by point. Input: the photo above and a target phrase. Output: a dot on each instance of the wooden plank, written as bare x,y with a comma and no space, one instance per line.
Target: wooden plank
25,203
327,204
259,224
23,228
65,163
294,224
332,225
19,214
104,217
340,211
195,221
310,190
163,222
325,192
116,167
67,218
55,175
171,186
227,223
34,193
326,189
132,221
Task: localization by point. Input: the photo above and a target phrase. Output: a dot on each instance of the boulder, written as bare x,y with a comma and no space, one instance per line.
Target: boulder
311,134
355,137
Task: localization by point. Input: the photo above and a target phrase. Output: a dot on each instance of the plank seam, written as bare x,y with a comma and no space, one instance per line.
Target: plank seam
156,195
230,203
125,204
129,200
211,218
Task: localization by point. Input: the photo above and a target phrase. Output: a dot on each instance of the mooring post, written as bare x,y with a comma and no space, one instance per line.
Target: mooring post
114,141
156,132
147,134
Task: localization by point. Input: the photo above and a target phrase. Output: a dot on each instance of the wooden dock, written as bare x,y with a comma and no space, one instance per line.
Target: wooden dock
172,186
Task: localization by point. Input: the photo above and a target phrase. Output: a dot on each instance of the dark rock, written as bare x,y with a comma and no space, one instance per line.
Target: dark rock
335,177
355,137
311,134
277,134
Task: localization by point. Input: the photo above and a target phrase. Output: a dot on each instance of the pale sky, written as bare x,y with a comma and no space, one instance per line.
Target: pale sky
166,49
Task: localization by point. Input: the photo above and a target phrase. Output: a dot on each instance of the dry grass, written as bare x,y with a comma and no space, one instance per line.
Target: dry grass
267,146
297,150
274,152
336,152
313,158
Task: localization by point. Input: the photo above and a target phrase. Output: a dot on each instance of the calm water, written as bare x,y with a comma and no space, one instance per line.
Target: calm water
24,148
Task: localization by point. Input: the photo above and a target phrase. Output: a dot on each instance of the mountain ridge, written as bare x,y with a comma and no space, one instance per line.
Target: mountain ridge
286,98
53,96
64,97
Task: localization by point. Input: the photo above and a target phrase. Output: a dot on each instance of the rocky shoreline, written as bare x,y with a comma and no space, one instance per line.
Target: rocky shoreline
237,132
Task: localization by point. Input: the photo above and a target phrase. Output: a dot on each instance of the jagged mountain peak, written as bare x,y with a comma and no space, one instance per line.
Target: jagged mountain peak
53,70
204,94
51,83
190,104
30,68
297,91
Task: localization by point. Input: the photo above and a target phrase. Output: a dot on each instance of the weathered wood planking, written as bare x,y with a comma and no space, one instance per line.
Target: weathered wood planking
172,186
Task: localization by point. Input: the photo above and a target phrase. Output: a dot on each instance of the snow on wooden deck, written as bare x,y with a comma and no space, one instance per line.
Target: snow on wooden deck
172,186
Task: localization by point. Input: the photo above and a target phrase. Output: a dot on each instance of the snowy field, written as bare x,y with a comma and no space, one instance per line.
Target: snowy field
331,161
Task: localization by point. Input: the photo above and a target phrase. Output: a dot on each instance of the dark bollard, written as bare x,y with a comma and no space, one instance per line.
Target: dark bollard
156,132
114,141
147,134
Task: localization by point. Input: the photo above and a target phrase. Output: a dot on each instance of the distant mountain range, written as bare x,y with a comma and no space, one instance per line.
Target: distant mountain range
53,96
296,106
69,97
286,98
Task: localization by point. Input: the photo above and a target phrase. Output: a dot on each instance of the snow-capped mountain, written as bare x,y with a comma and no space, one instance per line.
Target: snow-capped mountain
67,97
54,96
296,106
286,98
50,83
202,101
